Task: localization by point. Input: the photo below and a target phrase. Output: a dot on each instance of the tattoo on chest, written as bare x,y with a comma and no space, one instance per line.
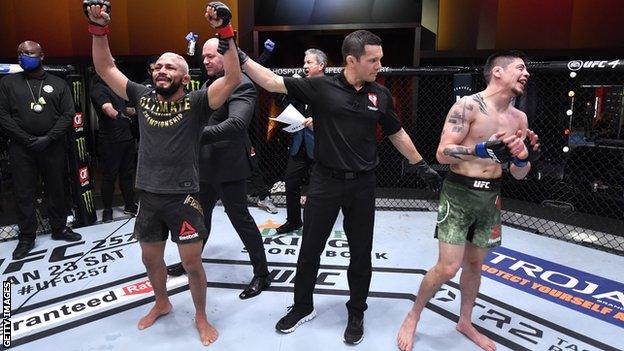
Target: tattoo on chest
479,100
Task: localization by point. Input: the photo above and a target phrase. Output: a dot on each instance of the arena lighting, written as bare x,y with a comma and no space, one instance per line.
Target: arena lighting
569,112
566,149
572,74
566,132
571,93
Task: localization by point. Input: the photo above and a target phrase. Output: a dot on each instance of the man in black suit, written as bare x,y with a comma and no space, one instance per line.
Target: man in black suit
224,167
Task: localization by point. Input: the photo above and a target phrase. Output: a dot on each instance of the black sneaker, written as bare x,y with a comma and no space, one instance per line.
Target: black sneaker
354,333
132,210
294,318
107,215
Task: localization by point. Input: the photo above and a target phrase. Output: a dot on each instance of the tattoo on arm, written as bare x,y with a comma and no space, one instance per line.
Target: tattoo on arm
482,106
457,151
459,119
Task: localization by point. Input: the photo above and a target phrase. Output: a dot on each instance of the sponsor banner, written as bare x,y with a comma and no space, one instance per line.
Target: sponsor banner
78,122
462,85
83,176
51,271
505,324
584,292
73,309
288,244
576,65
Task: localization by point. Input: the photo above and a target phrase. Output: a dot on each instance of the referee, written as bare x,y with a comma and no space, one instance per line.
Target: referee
347,108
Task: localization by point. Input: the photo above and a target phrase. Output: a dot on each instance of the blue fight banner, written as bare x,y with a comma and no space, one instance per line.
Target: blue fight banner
581,291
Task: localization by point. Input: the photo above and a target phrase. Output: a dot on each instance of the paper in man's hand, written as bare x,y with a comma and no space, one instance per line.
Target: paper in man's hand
291,116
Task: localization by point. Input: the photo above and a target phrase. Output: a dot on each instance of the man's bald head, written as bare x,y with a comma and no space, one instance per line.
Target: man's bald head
212,43
30,48
213,60
177,59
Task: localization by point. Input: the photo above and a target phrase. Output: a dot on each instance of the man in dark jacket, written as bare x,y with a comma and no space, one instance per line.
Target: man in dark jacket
36,109
224,167
301,150
117,147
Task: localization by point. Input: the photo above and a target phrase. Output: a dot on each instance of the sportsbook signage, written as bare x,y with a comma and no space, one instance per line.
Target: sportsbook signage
581,291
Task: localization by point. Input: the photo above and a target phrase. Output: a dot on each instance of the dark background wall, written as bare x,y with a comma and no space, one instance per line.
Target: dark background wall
464,27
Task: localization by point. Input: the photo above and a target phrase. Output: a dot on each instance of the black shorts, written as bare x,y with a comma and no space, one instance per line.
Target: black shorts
160,213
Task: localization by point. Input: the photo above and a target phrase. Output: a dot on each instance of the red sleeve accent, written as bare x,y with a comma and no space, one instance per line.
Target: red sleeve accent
98,30
225,32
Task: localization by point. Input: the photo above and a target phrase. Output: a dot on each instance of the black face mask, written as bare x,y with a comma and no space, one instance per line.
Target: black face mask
167,92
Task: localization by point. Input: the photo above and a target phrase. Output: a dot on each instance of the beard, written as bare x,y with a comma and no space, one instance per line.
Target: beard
517,92
167,92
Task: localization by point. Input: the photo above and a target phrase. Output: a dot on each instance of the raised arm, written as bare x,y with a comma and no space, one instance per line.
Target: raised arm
98,13
219,16
241,110
262,76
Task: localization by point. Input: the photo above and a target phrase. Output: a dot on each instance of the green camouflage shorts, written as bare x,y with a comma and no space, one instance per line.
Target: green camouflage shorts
470,210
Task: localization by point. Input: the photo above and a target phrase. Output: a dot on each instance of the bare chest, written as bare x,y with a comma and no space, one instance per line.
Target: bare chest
485,126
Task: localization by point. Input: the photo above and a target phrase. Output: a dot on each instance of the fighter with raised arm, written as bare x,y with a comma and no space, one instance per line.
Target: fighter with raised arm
170,122
347,109
481,132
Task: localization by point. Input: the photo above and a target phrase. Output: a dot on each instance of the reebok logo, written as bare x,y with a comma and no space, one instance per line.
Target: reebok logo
187,232
481,184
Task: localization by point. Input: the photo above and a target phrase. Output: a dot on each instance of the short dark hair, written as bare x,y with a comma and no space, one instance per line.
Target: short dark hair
501,58
353,44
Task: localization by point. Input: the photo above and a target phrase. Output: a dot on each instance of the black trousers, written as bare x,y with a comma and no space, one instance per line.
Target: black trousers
256,183
326,196
118,160
297,170
26,167
234,197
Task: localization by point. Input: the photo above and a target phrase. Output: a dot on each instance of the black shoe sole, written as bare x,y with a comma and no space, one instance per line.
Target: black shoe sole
244,296
307,318
353,342
283,231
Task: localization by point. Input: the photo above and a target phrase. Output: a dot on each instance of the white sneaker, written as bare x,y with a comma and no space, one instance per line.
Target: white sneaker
267,205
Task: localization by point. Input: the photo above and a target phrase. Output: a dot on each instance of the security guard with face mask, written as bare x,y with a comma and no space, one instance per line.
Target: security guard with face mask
36,110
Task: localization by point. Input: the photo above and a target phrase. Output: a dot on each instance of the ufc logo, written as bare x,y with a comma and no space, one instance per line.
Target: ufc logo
481,184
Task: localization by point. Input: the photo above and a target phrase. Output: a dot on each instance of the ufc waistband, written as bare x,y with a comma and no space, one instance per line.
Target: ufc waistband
484,184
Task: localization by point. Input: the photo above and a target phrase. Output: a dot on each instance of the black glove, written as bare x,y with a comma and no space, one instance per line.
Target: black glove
242,56
88,3
426,173
222,11
39,143
494,149
534,155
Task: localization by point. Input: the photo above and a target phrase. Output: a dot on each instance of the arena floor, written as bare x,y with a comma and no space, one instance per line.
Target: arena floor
537,293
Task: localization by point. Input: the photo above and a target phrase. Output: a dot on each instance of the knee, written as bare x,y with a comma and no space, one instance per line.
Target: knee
150,260
446,272
193,266
473,264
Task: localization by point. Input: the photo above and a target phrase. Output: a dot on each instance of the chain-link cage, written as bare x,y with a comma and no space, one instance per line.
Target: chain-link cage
575,192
